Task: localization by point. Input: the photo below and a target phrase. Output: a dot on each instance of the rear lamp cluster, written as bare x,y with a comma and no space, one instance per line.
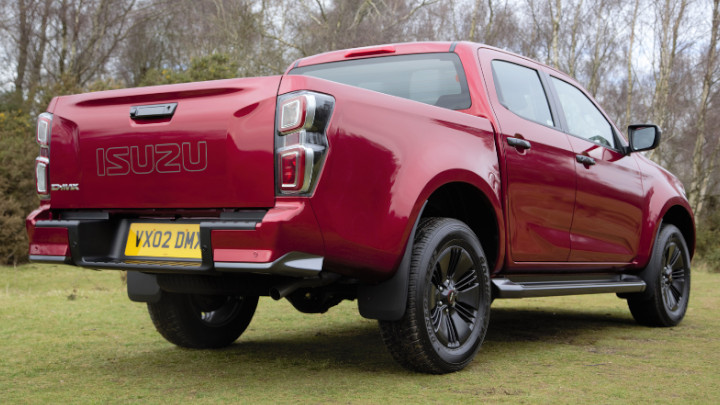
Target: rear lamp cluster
301,140
42,162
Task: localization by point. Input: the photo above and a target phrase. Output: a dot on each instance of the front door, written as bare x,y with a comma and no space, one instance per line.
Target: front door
609,203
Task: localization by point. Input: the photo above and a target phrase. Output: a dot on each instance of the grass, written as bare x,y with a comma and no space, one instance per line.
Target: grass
69,335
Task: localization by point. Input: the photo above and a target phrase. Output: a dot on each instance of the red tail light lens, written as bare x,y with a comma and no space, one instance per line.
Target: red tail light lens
289,169
294,167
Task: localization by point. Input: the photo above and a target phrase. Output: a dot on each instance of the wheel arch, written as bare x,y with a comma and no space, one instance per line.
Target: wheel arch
465,202
679,216
452,199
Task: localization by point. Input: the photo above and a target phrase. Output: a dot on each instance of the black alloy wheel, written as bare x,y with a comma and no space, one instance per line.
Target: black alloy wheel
454,297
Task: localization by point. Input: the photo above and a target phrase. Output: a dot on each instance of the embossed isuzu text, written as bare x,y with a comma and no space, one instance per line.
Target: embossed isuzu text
159,158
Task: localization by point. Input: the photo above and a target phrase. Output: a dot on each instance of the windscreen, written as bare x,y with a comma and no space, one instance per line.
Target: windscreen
431,78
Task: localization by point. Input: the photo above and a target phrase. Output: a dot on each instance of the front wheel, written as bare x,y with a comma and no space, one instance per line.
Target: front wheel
202,321
668,282
448,305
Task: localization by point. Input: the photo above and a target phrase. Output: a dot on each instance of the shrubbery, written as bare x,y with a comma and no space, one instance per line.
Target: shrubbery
708,236
17,183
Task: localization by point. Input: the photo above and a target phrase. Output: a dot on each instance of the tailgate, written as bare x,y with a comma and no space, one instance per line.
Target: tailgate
195,145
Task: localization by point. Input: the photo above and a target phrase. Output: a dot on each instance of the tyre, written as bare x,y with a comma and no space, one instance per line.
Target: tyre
202,321
448,305
667,276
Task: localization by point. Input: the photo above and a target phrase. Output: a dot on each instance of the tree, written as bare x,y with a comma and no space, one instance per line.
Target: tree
705,155
670,18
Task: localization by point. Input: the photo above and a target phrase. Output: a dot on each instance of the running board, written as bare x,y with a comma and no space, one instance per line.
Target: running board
538,286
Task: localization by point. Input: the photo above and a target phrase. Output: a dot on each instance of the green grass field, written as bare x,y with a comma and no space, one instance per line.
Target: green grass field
69,335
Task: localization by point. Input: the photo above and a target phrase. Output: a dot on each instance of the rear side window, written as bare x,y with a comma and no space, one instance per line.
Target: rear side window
432,78
520,91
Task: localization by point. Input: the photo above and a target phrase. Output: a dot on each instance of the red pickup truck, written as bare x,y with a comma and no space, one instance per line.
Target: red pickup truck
423,180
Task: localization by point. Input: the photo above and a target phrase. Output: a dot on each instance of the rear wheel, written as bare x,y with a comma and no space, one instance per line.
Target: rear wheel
448,305
667,275
202,321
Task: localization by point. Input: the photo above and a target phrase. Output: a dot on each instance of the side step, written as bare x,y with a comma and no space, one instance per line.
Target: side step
547,286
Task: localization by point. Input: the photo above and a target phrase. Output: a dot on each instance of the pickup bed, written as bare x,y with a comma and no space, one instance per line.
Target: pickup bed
423,180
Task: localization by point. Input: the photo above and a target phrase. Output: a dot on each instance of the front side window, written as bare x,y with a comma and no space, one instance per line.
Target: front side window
583,118
432,78
520,91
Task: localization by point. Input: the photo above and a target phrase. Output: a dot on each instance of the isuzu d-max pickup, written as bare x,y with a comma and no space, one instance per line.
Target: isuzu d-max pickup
423,180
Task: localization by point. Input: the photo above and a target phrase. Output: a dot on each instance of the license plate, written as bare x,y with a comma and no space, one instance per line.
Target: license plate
164,240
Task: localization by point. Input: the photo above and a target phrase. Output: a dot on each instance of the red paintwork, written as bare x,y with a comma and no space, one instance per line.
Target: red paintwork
233,117
380,170
289,226
46,241
386,157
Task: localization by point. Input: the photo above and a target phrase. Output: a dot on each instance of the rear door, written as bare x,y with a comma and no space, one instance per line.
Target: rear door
537,157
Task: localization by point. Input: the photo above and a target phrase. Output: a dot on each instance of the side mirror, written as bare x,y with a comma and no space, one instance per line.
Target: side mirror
643,137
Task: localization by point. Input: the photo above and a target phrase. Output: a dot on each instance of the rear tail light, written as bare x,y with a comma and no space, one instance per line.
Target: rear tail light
41,170
42,135
42,162
301,140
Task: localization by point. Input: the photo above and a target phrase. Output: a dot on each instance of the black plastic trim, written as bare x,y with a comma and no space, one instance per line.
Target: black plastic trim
142,287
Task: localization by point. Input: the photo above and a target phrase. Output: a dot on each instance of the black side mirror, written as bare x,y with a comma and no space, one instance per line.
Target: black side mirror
643,137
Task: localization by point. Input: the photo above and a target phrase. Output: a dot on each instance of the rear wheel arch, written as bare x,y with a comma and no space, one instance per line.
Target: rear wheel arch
467,203
457,200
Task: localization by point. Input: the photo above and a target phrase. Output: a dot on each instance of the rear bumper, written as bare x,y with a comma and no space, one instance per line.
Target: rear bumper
284,240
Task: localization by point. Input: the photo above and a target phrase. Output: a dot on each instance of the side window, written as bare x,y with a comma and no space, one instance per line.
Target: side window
520,91
583,118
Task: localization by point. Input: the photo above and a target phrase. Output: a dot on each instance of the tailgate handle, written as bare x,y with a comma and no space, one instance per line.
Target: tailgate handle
146,112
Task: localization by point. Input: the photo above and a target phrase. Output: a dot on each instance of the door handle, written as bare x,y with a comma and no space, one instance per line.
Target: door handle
518,143
586,160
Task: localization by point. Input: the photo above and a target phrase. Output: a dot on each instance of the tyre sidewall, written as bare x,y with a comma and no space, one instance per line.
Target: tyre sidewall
177,318
652,275
668,235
